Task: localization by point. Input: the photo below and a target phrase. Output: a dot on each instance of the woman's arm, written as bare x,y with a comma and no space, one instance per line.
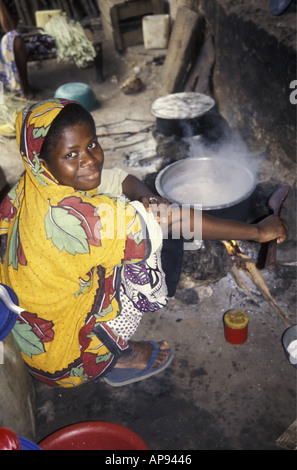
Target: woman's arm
136,190
270,228
7,21
200,225
192,224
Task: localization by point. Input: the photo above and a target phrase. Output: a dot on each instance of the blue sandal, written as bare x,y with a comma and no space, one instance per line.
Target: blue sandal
118,377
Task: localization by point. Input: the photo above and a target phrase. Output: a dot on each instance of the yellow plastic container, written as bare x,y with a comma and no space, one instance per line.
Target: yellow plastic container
43,16
155,30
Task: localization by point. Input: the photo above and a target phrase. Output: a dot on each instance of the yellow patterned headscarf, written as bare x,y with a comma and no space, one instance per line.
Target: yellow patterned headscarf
62,261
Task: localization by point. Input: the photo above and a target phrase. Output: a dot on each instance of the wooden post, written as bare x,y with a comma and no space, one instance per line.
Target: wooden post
185,42
199,77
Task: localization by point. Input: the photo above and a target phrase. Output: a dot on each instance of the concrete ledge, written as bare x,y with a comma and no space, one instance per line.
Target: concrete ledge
16,391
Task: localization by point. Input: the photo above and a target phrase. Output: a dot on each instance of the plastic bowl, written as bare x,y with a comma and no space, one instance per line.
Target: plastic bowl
7,317
80,92
93,435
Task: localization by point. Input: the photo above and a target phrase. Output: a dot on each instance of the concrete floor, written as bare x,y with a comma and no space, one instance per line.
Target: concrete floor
214,395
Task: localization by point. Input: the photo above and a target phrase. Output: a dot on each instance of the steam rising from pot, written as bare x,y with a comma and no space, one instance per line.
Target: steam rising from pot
214,177
233,149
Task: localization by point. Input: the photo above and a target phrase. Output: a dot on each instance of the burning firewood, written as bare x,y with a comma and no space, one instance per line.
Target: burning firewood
244,263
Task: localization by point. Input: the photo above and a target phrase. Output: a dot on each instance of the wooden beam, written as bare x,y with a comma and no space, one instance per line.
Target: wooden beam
200,75
185,42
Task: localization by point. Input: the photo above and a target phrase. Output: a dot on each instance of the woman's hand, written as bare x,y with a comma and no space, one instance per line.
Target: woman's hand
158,206
154,203
272,228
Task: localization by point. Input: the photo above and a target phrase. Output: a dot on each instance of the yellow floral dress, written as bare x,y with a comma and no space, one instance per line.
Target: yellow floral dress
62,253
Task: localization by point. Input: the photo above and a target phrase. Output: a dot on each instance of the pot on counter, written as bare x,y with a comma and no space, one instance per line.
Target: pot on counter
222,187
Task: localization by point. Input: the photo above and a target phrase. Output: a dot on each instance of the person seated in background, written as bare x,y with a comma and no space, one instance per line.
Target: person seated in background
13,53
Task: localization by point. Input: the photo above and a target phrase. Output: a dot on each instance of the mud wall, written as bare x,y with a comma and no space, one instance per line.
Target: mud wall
254,72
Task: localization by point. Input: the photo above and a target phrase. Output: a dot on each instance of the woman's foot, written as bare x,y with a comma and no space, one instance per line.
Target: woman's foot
141,353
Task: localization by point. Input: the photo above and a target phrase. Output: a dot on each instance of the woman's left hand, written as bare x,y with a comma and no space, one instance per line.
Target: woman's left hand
158,206
272,228
151,201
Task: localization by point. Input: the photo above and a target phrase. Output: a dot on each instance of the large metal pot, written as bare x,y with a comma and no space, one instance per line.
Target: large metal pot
182,113
222,187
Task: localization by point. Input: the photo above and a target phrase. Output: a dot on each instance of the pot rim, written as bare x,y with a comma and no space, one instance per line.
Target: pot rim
244,197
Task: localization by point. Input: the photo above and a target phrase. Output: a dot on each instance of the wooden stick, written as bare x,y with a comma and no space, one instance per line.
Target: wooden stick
146,129
125,145
251,270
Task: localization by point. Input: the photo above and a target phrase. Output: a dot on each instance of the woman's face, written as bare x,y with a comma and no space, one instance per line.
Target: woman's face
77,158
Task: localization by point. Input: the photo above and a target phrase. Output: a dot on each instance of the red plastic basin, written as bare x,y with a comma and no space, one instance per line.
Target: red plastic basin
93,435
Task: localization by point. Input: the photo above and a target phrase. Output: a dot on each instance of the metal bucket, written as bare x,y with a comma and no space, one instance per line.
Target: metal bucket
222,188
290,336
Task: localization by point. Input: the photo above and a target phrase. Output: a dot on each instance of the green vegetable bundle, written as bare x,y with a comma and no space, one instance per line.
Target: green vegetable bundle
72,44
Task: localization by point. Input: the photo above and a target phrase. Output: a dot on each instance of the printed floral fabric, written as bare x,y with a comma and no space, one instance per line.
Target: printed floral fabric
63,253
40,46
10,77
143,284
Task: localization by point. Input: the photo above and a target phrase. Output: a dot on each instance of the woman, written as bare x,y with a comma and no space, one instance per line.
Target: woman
13,53
82,263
